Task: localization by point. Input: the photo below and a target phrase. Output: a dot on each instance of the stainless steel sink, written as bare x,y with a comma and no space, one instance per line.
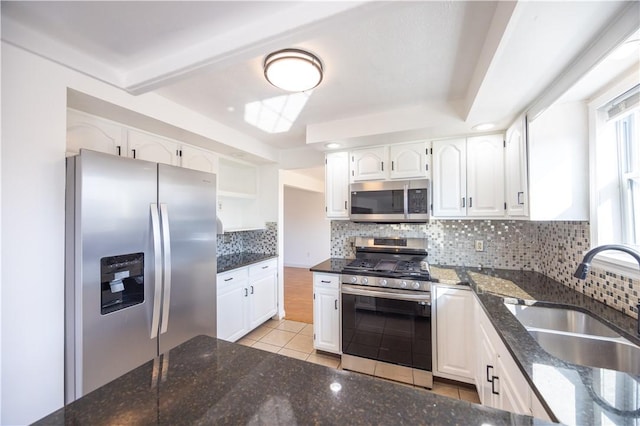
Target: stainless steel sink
560,319
620,355
578,338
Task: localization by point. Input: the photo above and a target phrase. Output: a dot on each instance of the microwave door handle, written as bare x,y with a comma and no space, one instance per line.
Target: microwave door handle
406,201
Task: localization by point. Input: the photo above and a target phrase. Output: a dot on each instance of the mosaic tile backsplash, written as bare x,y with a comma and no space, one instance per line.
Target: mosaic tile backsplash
257,241
552,248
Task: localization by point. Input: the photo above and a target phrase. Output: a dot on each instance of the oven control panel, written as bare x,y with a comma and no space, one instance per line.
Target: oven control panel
401,283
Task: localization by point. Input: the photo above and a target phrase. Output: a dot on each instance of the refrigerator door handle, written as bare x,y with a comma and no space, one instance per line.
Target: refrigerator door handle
157,262
166,242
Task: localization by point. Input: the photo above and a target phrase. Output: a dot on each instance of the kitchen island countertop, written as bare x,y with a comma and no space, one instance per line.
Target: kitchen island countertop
210,381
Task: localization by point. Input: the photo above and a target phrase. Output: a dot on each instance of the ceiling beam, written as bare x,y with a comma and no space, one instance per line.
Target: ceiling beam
501,25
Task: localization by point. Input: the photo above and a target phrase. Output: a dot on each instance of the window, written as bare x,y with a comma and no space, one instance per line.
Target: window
615,173
628,138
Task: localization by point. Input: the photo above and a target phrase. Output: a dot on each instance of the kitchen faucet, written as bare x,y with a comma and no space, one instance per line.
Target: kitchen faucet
583,268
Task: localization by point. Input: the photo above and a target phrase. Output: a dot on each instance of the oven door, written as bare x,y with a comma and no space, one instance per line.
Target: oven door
393,326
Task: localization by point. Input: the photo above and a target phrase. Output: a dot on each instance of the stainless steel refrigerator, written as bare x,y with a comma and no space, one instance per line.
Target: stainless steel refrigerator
140,264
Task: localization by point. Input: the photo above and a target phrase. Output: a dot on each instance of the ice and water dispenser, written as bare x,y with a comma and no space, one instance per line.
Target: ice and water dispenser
122,281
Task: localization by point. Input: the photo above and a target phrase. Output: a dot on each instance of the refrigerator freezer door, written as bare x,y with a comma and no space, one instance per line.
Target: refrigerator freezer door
188,213
111,218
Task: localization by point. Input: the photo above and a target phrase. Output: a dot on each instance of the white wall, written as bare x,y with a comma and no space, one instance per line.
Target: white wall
307,232
34,102
33,181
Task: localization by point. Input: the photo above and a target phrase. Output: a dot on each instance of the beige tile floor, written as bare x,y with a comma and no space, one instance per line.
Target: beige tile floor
295,339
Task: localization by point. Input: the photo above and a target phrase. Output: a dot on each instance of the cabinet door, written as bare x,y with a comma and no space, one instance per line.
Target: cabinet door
232,303
337,185
515,162
449,178
263,300
369,164
89,132
485,176
148,147
198,159
486,368
326,319
454,338
408,160
514,394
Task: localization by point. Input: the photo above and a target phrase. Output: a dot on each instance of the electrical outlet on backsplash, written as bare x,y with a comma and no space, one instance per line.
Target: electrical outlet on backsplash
552,248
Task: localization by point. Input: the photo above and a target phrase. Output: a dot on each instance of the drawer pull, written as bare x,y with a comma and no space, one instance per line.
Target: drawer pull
326,282
228,279
265,267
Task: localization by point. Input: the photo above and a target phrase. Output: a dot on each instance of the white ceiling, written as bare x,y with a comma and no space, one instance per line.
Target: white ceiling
394,71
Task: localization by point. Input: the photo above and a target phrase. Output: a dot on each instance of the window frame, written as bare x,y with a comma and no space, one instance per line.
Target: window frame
612,261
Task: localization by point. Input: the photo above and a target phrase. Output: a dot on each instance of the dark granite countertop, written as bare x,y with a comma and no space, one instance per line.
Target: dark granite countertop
573,393
210,381
228,262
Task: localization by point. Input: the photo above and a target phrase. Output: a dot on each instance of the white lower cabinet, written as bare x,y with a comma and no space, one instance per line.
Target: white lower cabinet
499,381
326,312
452,328
247,297
232,304
263,292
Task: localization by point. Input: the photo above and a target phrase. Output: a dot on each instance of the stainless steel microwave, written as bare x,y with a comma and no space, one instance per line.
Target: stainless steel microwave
390,201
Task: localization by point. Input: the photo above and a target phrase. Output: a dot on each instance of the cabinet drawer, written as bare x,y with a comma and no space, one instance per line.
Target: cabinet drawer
269,266
326,280
231,277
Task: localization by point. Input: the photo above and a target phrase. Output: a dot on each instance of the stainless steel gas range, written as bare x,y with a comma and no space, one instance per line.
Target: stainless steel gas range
386,307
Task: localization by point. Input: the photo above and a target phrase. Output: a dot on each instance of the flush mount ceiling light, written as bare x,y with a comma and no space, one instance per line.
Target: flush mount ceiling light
293,70
332,145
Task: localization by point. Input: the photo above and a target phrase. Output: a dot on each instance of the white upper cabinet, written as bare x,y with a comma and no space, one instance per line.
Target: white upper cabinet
409,160
87,131
198,159
369,164
450,178
558,144
336,182
145,146
398,161
485,176
515,169
468,177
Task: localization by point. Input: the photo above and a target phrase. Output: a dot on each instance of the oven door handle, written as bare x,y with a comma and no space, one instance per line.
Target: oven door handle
349,289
